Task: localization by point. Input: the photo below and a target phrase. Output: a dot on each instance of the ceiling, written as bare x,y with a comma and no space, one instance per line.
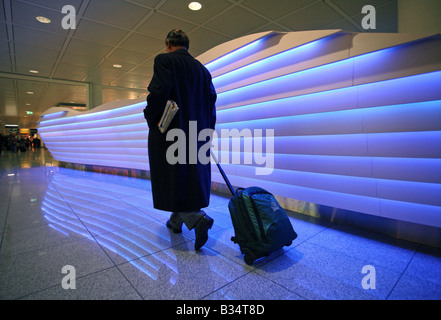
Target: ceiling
131,33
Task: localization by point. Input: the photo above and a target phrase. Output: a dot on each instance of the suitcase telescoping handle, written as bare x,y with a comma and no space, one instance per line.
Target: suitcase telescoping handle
222,173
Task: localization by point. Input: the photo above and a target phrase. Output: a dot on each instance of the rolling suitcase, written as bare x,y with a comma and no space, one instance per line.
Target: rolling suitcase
261,226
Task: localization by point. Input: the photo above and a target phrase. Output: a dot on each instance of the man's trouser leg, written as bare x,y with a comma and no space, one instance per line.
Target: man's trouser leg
190,218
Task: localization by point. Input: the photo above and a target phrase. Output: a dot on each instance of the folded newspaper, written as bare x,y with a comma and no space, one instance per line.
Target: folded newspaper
169,112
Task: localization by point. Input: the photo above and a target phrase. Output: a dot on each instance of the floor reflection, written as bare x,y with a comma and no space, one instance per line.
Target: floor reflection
99,208
107,229
113,211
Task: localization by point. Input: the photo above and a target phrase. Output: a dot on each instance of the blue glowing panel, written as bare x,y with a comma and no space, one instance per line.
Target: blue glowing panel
334,75
324,123
277,61
107,135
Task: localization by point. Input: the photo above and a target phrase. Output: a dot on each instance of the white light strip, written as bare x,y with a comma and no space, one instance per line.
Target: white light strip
237,54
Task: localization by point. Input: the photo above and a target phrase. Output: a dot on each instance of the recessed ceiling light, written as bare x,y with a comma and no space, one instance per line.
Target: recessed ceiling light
117,66
43,19
30,92
195,6
34,71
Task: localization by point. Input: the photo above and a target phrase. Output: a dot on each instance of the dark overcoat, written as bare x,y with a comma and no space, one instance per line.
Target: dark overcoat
186,185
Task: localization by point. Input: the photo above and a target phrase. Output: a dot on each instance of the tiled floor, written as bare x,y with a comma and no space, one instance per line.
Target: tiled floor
118,247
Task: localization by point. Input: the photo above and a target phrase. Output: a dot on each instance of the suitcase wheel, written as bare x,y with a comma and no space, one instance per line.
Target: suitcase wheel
249,256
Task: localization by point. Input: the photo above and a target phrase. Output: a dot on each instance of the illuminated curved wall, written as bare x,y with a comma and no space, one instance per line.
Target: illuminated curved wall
356,120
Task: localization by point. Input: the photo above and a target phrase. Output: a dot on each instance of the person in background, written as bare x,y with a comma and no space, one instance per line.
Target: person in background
13,143
2,141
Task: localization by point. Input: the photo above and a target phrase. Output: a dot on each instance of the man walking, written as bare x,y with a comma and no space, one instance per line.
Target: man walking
182,188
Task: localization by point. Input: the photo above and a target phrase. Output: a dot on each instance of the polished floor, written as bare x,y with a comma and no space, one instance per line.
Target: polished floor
69,234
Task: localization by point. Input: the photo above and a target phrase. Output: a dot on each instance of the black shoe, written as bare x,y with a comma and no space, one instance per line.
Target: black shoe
201,231
175,230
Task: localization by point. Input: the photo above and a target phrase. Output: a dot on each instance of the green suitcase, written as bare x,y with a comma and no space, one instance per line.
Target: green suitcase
260,224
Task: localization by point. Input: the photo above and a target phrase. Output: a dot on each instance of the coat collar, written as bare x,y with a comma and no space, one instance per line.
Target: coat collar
182,51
